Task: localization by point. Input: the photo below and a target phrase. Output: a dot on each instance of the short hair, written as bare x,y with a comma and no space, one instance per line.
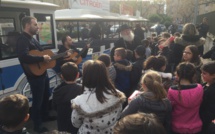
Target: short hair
13,110
64,38
140,50
145,42
139,123
69,71
155,62
105,59
166,35
27,20
121,52
209,67
177,34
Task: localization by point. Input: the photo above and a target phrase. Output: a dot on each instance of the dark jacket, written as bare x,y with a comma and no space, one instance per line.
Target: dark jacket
183,41
122,43
203,29
26,43
162,109
23,131
61,61
136,73
207,109
123,76
139,32
210,54
62,96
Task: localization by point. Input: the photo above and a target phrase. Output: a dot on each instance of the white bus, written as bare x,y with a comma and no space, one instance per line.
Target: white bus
72,21
12,78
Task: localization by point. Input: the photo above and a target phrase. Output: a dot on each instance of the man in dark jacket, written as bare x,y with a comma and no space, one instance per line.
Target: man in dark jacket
128,40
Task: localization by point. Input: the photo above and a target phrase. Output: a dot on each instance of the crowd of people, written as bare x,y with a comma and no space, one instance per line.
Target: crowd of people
174,90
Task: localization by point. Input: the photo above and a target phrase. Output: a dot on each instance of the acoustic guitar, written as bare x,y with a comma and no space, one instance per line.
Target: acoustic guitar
78,55
40,67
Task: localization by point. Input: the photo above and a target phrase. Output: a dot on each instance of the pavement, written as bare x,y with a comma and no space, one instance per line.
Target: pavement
51,126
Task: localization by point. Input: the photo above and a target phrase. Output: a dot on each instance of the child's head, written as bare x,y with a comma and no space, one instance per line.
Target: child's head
145,43
152,82
208,72
139,123
185,70
191,54
153,35
69,71
14,111
139,51
165,35
105,59
157,63
95,76
177,34
119,54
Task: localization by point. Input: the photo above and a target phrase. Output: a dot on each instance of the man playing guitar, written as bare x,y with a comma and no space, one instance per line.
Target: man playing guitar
77,55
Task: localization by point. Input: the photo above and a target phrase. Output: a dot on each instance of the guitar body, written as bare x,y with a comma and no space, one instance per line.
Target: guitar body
40,67
79,58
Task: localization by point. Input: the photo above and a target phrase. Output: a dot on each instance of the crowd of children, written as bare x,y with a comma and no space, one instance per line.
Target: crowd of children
176,91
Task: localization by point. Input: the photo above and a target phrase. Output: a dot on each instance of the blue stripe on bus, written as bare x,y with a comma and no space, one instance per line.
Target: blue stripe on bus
9,76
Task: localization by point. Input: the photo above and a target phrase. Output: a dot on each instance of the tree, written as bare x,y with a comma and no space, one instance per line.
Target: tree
155,18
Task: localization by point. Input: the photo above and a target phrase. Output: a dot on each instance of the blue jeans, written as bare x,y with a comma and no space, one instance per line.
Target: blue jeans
40,93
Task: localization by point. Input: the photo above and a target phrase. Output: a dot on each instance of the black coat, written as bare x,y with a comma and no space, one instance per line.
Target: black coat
162,109
180,44
207,109
62,96
122,43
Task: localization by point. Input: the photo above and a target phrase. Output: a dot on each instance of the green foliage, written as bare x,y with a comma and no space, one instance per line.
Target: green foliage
154,18
162,18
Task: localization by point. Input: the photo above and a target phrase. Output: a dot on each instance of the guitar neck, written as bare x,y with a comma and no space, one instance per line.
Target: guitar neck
54,57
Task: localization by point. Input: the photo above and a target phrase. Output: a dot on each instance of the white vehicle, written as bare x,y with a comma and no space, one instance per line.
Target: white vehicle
114,28
153,28
12,78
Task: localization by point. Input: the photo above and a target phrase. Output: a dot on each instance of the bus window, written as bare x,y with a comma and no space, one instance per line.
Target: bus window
46,33
8,38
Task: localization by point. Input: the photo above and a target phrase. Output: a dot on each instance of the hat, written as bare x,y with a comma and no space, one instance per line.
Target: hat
124,27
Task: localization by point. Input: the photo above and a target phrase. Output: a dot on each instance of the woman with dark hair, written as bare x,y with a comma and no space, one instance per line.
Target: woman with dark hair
191,54
99,107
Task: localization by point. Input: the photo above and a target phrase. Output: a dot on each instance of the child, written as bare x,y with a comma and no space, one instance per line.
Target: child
137,67
186,98
152,100
139,123
107,61
207,109
13,114
158,63
62,95
99,107
123,71
191,54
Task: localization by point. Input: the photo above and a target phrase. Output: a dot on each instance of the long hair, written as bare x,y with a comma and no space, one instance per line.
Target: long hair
185,70
153,81
95,76
189,29
195,52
